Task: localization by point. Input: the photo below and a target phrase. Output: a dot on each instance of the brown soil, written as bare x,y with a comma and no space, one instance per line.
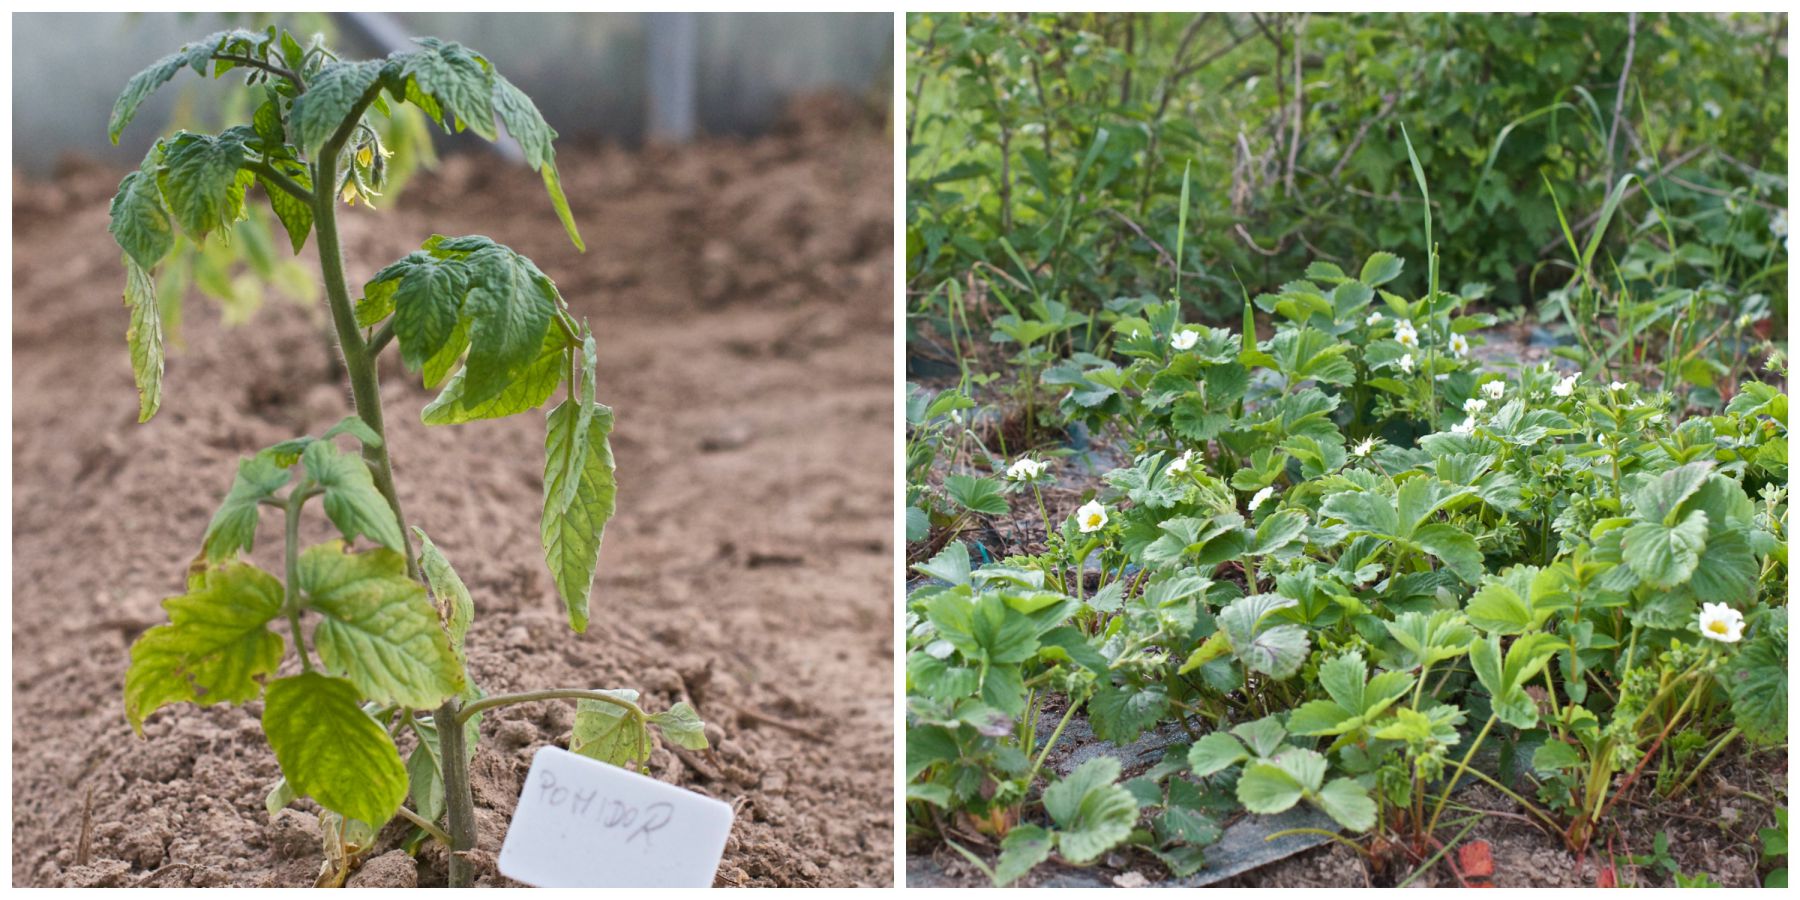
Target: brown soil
741,293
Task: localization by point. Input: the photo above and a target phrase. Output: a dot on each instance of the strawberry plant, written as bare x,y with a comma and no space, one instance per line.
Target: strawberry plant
388,614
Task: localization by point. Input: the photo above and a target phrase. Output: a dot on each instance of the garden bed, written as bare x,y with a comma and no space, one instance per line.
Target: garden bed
741,292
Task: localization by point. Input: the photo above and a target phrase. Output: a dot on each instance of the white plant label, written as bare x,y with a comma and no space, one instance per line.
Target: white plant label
583,823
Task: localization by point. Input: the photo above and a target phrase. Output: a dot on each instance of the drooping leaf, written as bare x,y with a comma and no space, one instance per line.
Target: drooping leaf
296,215
572,536
535,137
332,751
141,86
455,607
201,179
1347,803
352,501
1024,847
458,79
233,527
141,223
144,338
215,648
379,630
533,385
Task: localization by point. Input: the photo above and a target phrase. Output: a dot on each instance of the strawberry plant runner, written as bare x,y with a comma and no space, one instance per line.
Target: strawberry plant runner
473,318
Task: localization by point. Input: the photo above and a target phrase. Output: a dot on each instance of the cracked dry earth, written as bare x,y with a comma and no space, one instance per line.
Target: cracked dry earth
740,290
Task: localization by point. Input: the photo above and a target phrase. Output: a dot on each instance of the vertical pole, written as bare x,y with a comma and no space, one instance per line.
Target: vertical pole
670,71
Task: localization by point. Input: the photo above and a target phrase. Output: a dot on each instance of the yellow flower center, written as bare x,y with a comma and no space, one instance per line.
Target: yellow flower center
1093,521
1718,626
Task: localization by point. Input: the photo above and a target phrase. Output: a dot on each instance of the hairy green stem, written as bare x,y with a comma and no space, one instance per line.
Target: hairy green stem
1461,767
425,825
1054,737
275,177
486,703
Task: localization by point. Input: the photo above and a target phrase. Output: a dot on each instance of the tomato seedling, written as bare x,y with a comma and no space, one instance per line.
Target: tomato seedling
472,317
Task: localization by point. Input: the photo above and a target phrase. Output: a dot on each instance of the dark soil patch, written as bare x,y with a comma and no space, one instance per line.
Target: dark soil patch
742,282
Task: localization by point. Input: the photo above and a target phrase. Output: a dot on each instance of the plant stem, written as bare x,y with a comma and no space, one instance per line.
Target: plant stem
425,825
485,703
275,177
1706,760
1461,767
1054,737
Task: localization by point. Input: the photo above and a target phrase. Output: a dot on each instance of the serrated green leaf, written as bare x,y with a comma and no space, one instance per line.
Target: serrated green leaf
427,298
280,797
1757,679
560,202
457,79
140,223
379,630
529,390
144,339
329,98
1092,813
332,751
202,181
682,726
141,86
1380,268
352,501
572,536
1215,752
977,495
1347,803
1665,555
1454,546
1267,788
455,607
295,214
233,528
214,649
1023,848
611,733
1503,603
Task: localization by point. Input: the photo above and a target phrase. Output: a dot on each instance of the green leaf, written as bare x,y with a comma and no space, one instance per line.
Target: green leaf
425,782
1503,604
380,630
1262,735
951,565
215,648
1276,650
1505,677
202,181
1757,679
682,725
1214,753
977,495
454,605
572,536
1267,788
1092,813
1365,512
296,215
1665,555
1455,546
332,751
329,98
1429,640
458,79
534,385
1279,530
140,222
428,295
1380,268
535,137
352,501
611,733
141,86
559,202
1554,756
1024,847
510,304
144,339
233,527
1659,499
1347,803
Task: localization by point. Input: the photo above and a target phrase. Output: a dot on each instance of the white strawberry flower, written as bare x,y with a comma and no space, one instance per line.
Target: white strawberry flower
1466,426
1617,386
1090,517
1180,463
1721,623
1261,495
1026,469
1406,334
1474,405
1494,390
1375,318
1459,345
1364,447
1566,387
1184,339
1406,363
